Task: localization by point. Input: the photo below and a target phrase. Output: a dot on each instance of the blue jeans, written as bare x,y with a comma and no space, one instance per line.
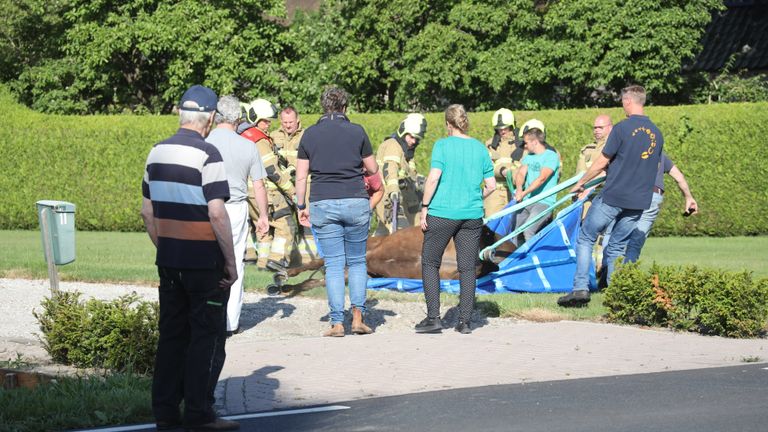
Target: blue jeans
341,227
599,216
640,233
637,239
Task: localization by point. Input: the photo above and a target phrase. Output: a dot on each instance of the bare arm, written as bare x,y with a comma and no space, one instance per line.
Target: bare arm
370,165
302,172
690,203
489,185
222,229
545,174
520,178
597,167
260,195
430,186
376,198
519,182
377,194
147,213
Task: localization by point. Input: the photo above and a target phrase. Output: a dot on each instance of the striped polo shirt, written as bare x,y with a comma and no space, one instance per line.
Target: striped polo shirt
182,174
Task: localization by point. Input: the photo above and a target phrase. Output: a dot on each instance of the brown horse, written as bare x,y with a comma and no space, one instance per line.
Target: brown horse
399,256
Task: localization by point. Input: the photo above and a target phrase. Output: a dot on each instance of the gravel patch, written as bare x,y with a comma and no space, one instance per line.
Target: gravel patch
262,318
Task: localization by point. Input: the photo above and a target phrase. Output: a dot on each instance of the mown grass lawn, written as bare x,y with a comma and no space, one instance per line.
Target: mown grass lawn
114,257
730,253
129,258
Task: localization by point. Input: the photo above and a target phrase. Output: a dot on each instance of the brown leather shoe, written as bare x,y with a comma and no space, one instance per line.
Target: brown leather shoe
336,330
217,425
358,326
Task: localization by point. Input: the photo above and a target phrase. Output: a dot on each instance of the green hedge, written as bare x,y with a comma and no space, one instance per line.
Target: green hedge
97,162
691,298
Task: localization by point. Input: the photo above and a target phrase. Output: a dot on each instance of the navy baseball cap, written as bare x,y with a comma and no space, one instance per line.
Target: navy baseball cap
205,98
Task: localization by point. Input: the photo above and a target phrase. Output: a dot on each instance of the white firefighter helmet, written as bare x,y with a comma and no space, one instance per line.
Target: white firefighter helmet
414,124
259,109
533,124
503,118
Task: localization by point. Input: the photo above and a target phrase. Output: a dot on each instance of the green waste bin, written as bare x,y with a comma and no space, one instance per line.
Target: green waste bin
60,216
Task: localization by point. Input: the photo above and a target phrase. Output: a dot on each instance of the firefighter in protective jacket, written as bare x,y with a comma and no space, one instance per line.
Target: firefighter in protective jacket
403,186
274,248
506,153
287,138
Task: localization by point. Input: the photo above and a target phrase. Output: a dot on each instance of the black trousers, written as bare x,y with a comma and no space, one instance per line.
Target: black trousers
190,351
466,236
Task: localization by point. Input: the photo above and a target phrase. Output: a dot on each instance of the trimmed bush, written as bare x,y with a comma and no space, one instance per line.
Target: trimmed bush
120,335
709,301
97,162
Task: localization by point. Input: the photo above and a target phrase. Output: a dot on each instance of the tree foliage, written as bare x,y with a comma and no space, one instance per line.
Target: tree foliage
78,56
517,53
29,34
140,55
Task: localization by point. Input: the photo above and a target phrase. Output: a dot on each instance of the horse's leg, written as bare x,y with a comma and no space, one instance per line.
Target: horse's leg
312,265
306,285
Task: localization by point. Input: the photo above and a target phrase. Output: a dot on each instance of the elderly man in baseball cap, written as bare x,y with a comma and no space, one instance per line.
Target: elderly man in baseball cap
185,188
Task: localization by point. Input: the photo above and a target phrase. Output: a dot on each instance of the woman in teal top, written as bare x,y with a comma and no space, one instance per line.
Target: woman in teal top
461,175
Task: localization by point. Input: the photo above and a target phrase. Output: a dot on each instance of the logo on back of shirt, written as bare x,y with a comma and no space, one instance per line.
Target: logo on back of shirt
652,136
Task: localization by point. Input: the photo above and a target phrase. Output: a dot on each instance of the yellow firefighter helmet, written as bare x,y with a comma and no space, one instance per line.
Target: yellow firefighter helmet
259,109
533,124
503,118
414,124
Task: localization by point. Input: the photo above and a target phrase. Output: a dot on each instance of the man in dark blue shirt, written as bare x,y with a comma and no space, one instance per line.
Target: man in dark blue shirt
632,154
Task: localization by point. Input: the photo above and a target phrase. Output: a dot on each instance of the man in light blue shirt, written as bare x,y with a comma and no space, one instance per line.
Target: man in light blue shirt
537,174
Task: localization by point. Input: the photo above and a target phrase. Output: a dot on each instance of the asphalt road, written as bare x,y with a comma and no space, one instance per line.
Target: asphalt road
717,400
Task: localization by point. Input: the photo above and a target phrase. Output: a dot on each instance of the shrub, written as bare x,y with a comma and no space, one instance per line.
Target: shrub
97,162
708,301
741,88
119,335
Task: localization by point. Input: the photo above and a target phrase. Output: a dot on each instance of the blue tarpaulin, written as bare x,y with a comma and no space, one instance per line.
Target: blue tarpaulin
545,263
505,224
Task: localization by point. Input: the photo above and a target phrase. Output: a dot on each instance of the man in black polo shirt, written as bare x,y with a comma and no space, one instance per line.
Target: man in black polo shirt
185,188
633,151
